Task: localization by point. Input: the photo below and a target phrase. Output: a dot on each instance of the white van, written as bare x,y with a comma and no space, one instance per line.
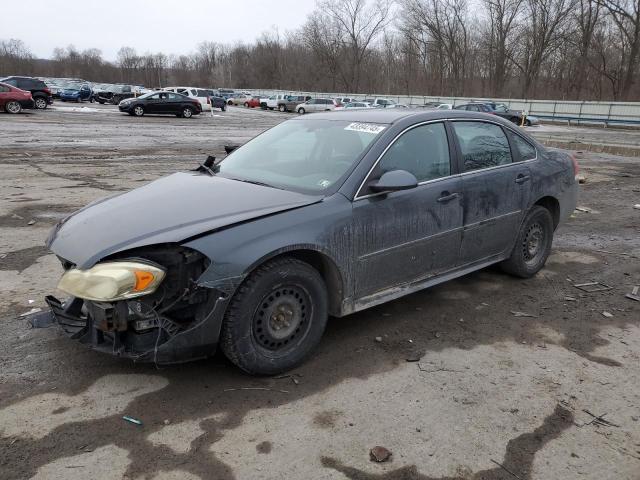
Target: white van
199,94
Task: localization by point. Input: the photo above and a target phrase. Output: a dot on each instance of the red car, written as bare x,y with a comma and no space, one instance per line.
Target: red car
13,100
254,102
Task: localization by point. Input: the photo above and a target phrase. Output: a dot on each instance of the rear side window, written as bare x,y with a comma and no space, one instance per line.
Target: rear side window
423,151
525,150
483,145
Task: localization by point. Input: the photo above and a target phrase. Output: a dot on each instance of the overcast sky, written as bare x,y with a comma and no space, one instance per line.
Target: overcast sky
146,25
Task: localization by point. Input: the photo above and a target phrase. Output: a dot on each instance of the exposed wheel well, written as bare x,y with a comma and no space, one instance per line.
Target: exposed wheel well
329,272
551,204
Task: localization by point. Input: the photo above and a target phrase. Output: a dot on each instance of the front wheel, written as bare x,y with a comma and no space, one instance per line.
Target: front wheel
138,111
276,318
533,244
229,103
40,103
187,112
13,107
301,111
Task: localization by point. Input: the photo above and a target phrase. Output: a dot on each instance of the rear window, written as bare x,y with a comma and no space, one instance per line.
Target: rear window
202,93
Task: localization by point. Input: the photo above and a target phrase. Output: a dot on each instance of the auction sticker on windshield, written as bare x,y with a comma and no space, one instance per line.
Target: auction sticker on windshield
365,127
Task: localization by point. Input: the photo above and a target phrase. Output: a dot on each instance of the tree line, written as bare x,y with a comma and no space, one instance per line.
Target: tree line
547,49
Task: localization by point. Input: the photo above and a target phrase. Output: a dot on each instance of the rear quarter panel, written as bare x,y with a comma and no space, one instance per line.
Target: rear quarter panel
553,175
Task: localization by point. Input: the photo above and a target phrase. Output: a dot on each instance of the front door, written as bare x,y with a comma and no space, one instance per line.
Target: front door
495,187
414,234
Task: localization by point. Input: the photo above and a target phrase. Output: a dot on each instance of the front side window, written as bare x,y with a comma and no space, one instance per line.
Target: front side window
422,151
4,89
305,155
482,145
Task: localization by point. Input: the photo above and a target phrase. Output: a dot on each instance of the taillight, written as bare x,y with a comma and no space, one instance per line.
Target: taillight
576,167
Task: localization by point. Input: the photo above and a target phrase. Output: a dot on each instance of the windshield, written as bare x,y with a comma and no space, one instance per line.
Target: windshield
301,155
73,86
500,107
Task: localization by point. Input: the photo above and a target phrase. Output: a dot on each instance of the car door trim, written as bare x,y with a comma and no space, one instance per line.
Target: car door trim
405,244
375,164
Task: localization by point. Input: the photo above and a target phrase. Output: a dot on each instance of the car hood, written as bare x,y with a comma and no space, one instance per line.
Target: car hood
167,210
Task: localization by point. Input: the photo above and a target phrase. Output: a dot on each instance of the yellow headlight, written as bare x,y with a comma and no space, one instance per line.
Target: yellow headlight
111,281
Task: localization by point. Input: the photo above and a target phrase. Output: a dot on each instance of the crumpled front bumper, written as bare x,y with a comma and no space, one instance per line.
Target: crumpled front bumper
199,340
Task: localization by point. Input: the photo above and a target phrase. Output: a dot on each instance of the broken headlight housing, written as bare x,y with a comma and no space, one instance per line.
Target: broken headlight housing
112,281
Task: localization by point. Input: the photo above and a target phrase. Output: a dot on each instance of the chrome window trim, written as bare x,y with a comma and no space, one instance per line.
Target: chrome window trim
375,164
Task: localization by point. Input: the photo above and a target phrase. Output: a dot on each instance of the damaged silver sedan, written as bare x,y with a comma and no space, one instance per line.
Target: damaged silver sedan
325,214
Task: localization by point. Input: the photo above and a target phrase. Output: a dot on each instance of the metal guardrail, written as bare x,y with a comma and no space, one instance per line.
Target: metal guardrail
552,110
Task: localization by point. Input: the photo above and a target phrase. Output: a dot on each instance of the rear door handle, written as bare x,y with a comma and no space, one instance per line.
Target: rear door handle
447,197
520,179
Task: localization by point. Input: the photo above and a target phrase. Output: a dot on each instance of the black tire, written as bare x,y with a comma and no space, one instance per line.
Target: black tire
282,108
533,244
515,120
40,103
301,111
229,103
187,112
78,100
91,99
283,294
13,107
138,110
101,102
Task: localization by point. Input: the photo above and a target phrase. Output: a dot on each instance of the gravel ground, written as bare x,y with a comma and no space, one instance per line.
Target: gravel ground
494,396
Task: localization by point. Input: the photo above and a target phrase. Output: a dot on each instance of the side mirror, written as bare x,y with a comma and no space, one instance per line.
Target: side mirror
393,181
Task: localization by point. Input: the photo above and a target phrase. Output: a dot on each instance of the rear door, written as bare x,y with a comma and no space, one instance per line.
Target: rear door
4,95
496,189
410,235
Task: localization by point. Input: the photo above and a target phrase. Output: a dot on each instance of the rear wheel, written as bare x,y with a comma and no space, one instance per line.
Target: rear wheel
138,110
187,112
282,108
229,102
276,318
13,107
40,103
246,104
533,244
301,111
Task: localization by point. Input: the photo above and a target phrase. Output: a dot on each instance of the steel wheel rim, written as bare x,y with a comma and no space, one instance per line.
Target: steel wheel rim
282,318
40,103
533,243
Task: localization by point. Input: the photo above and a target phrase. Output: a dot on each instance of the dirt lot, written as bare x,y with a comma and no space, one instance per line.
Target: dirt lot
494,396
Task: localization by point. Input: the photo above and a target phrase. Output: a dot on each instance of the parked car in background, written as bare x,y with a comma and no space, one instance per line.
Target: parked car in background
317,105
77,92
326,214
13,99
381,102
161,103
253,102
200,94
444,106
216,101
40,93
272,101
239,99
290,102
501,110
225,93
113,93
355,105
344,100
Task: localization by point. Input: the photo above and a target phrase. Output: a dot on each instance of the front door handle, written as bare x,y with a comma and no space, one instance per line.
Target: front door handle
520,179
447,197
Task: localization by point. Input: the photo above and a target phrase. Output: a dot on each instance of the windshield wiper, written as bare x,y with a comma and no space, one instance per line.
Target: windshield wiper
256,182
208,166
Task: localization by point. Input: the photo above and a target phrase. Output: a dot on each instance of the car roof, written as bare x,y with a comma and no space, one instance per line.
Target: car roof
394,115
